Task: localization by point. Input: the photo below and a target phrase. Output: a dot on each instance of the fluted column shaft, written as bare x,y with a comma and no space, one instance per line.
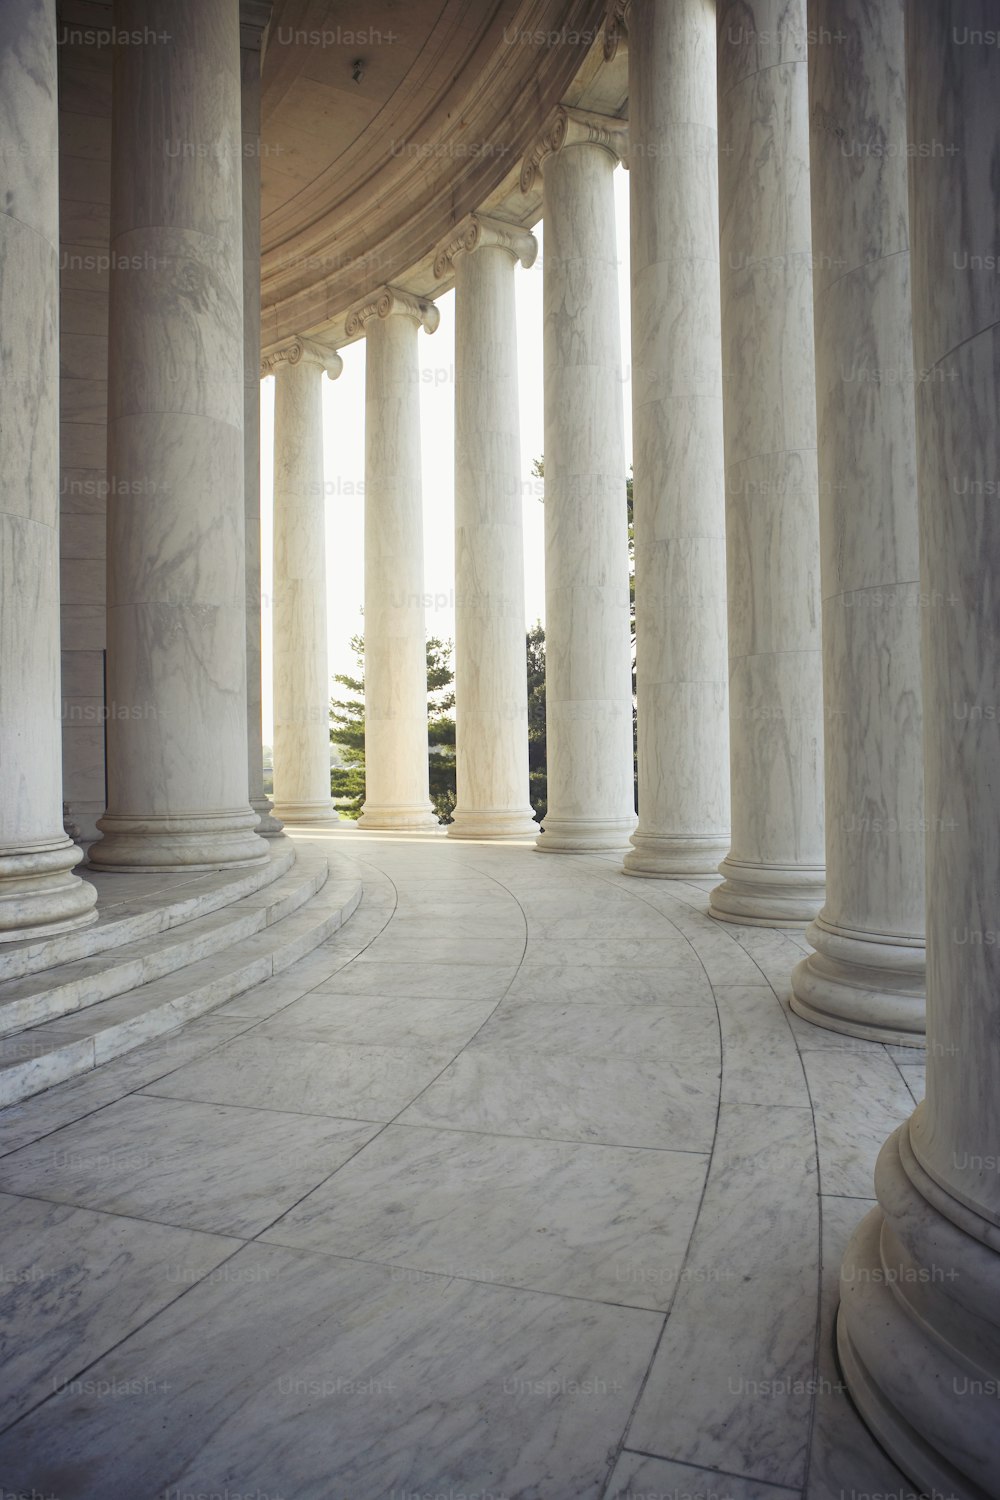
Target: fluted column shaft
920,1315
588,672
866,977
682,668
177,730
268,825
396,745
491,690
773,874
301,669
38,892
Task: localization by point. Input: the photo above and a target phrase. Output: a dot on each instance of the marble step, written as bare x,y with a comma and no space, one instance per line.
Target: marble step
137,906
36,998
37,1058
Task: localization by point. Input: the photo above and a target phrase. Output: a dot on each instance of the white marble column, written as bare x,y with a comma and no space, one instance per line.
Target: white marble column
39,894
588,672
679,508
177,698
253,20
919,1330
773,873
396,748
866,977
301,669
491,689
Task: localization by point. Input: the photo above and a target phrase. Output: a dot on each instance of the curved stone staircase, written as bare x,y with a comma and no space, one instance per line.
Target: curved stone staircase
163,950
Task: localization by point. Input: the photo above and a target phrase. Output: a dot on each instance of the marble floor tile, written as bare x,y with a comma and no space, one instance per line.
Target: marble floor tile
915,1077
383,1020
774,952
42,1113
729,1387
618,1100
686,1039
342,1382
400,944
638,1477
681,984
612,952
75,1283
760,1061
199,1166
308,1077
858,1101
601,1222
273,995
845,1460
419,981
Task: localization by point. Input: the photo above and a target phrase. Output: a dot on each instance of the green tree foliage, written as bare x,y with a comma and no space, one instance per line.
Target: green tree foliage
347,731
441,727
537,784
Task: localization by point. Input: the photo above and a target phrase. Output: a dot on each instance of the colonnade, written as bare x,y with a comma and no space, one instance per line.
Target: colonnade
816,385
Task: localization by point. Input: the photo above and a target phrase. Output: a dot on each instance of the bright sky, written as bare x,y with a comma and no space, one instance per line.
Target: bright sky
344,443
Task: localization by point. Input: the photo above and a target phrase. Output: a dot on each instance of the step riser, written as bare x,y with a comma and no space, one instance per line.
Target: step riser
20,959
118,978
80,1055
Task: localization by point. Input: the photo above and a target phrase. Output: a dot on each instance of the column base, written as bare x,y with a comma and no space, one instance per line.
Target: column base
491,823
268,826
405,815
184,841
865,985
768,895
39,896
663,857
321,811
918,1334
582,835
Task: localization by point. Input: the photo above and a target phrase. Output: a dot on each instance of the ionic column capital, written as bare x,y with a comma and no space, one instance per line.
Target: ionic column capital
392,300
575,127
301,350
616,26
477,231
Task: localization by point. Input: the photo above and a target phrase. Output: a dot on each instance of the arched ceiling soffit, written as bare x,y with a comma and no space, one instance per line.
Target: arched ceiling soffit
364,176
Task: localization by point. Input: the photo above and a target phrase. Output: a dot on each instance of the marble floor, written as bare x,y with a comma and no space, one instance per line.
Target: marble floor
527,1184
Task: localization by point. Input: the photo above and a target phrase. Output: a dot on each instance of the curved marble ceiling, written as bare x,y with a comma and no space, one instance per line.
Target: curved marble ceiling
383,125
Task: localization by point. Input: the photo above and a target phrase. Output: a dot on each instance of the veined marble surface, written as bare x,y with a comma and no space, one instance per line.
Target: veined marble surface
773,873
526,1227
38,892
301,672
396,777
588,705
867,973
682,668
491,689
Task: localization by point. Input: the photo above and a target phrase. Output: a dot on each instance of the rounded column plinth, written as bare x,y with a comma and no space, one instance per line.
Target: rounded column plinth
917,1333
306,812
582,835
416,816
768,895
867,985
38,895
197,842
656,858
492,823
